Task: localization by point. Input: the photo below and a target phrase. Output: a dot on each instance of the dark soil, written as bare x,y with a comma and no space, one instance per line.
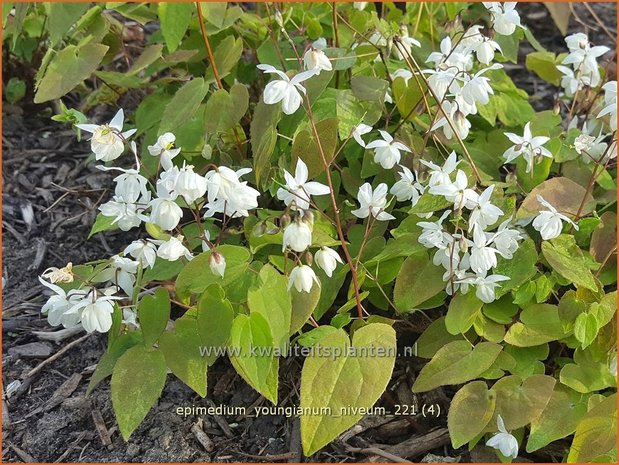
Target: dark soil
47,172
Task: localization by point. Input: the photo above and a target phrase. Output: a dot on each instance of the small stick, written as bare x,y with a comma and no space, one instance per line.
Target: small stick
56,356
202,437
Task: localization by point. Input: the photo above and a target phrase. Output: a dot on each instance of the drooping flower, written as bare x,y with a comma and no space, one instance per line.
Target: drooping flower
298,191
165,212
610,100
297,235
549,222
505,18
127,214
57,306
440,175
485,212
484,286
285,90
504,441
120,271
107,142
95,311
372,203
433,234
407,187
387,151
173,249
190,185
315,59
217,264
457,192
505,240
302,277
164,148
327,259
527,146
483,257
360,130
144,251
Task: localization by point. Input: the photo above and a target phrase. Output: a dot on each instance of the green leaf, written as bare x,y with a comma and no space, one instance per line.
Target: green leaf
197,275
102,223
462,313
68,69
106,364
339,380
14,90
270,298
303,305
521,401
307,148
215,316
163,270
137,382
519,269
544,65
456,363
588,376
528,359
61,16
586,328
174,20
350,112
433,338
539,323
369,88
154,313
150,54
181,349
567,259
418,281
469,412
252,354
226,55
596,434
559,419
183,105
429,203
263,137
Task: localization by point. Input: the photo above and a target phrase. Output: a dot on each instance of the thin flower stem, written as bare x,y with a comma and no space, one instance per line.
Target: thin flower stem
592,179
207,44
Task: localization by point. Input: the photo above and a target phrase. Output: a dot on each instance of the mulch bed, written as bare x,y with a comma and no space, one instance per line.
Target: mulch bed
50,196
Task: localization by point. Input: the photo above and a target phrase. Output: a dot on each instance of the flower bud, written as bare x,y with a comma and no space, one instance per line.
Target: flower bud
297,236
217,263
327,260
302,278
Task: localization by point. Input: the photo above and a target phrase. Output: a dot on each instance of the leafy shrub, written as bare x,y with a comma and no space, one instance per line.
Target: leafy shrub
307,177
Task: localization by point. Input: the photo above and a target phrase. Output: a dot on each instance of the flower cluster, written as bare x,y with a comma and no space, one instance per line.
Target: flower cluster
580,68
219,191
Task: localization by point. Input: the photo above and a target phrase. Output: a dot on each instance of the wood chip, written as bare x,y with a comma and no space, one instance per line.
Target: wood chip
223,424
418,445
102,430
31,350
65,390
202,437
22,454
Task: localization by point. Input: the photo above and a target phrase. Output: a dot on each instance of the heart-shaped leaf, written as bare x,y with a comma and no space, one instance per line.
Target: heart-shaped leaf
338,375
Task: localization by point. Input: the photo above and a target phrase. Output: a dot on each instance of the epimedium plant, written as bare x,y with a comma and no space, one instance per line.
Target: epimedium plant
308,176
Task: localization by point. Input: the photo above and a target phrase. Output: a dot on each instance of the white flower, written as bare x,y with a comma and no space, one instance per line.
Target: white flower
190,185
95,311
164,148
327,259
360,5
457,117
145,252
320,43
504,16
285,90
297,236
298,190
484,286
503,441
107,142
165,213
222,181
569,82
241,199
403,73
387,151
441,81
549,222
359,131
302,277
458,58
505,240
57,306
457,192
173,249
217,264
372,203
526,145
485,212
483,258
440,175
610,100
433,235
407,188
120,271
127,214
477,88
584,57
612,366
483,46
315,59
59,275
406,42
